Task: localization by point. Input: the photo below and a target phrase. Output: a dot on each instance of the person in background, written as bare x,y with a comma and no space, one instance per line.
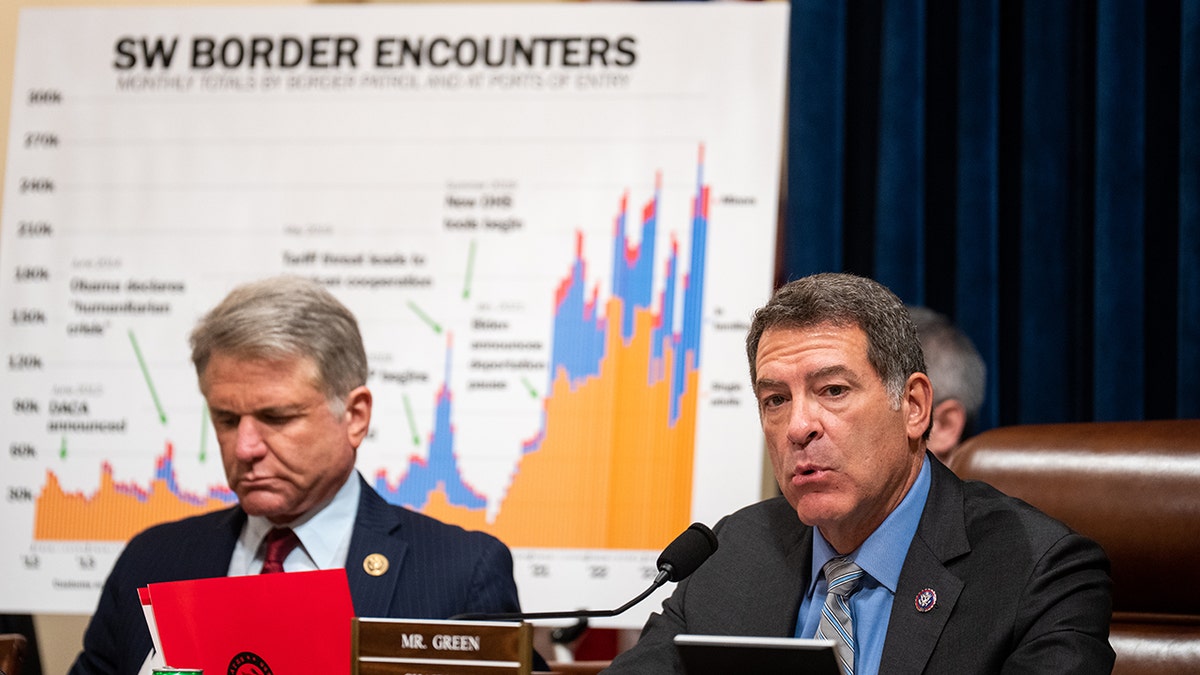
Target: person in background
283,371
959,379
874,544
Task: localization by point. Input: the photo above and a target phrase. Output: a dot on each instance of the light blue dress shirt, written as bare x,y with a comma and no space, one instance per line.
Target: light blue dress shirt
881,556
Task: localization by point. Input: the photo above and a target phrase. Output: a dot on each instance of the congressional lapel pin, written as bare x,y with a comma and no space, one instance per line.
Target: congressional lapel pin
375,564
926,600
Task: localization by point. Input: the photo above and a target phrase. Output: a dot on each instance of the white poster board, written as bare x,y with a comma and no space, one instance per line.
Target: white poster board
552,221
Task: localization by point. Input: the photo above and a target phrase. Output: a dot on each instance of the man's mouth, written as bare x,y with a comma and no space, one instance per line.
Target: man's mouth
808,474
255,482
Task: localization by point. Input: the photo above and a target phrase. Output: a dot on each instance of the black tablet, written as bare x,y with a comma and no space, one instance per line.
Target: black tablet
725,654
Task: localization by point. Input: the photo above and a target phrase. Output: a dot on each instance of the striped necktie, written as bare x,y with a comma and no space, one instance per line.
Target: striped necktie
843,577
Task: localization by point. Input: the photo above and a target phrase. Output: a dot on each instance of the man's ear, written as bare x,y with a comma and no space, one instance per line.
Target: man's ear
949,421
358,415
918,402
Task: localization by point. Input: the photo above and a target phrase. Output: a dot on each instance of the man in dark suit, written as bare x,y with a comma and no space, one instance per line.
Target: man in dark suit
282,368
947,576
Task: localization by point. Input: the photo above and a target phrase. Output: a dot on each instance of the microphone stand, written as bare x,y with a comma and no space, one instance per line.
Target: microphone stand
663,576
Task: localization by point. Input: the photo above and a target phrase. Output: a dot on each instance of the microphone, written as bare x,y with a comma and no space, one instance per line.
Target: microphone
677,561
685,554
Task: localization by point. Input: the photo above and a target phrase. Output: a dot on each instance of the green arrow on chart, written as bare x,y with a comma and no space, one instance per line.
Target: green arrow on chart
470,271
162,416
412,423
62,449
529,387
203,432
424,317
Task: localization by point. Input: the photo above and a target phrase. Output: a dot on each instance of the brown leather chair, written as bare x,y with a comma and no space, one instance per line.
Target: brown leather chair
12,653
1134,487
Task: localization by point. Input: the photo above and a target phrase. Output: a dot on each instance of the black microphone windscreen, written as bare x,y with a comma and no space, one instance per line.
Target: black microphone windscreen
687,552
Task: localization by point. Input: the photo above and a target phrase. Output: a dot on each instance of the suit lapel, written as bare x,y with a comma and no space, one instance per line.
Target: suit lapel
792,581
376,533
782,555
941,536
913,634
228,529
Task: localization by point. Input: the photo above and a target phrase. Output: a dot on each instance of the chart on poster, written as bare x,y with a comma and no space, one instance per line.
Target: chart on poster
553,223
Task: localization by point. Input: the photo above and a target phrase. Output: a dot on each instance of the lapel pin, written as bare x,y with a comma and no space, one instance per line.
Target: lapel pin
375,564
926,600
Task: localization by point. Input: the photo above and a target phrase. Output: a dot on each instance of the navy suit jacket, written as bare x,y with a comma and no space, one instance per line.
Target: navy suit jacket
435,571
1017,592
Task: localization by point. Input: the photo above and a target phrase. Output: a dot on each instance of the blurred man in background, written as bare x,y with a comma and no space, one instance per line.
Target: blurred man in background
959,378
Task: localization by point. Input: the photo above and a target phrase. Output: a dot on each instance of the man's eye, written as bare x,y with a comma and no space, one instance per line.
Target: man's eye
225,421
836,390
772,401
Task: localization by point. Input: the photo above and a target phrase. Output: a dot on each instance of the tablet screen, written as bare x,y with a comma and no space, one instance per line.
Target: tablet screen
724,654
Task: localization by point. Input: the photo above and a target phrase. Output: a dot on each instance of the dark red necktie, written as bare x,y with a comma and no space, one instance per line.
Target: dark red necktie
280,542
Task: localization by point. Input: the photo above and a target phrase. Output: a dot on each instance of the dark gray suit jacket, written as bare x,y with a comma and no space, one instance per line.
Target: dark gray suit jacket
1017,592
435,571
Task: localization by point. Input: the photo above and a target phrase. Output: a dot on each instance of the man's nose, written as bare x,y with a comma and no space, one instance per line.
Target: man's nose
250,445
804,424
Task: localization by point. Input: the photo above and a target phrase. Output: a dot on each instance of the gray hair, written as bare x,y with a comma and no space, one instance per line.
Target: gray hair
846,300
286,317
955,367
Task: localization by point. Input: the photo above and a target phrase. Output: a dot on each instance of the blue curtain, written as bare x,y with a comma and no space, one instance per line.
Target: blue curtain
1031,169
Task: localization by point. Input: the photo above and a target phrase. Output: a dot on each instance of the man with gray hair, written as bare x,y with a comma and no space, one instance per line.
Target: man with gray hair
959,377
282,367
874,544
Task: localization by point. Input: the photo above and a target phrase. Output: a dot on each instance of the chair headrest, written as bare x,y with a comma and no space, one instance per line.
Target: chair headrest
1134,487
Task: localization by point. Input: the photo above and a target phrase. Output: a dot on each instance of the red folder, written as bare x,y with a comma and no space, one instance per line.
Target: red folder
270,623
